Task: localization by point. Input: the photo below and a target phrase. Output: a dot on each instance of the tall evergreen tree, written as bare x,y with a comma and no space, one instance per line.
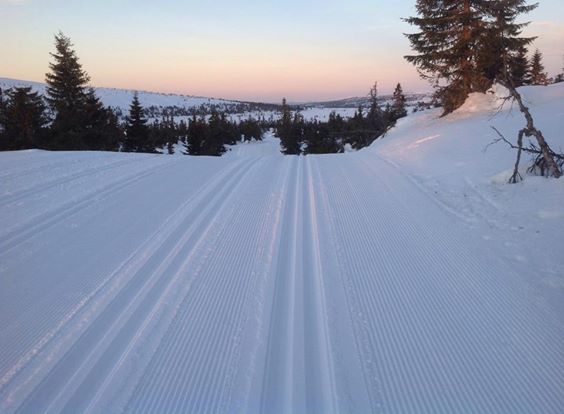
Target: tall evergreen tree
66,95
519,67
375,120
537,75
398,109
453,47
374,112
24,120
501,42
445,46
137,132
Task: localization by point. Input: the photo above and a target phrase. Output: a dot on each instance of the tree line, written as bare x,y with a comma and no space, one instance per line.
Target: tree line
299,136
71,117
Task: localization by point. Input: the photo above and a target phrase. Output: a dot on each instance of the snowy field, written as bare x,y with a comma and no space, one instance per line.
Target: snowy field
403,278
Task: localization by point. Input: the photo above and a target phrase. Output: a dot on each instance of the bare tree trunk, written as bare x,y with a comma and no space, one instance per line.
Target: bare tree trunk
516,177
529,131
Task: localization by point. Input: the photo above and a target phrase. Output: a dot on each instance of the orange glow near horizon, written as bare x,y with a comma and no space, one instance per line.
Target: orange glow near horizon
246,50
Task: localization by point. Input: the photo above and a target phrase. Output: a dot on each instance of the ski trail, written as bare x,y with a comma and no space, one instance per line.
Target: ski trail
475,357
298,374
266,284
75,176
214,312
283,384
38,224
129,274
320,380
172,279
64,164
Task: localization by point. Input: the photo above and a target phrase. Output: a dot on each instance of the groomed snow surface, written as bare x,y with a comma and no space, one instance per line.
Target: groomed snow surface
400,279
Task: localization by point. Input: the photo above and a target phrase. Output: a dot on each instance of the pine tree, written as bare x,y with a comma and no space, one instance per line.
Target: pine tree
287,132
196,136
557,79
2,113
137,133
66,95
501,41
374,112
375,117
320,139
537,75
101,129
460,43
398,109
24,120
213,144
519,67
446,45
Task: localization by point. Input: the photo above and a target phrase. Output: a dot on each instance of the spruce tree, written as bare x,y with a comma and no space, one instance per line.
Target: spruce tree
101,130
537,75
519,67
23,120
460,43
501,41
66,95
196,136
2,113
375,121
445,46
398,108
374,112
287,132
557,79
137,133
213,143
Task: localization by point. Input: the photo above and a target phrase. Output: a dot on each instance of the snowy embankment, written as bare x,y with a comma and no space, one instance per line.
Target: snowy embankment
402,278
454,160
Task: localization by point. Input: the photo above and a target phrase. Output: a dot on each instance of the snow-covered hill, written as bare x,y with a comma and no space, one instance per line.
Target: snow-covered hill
405,277
121,98
412,99
182,104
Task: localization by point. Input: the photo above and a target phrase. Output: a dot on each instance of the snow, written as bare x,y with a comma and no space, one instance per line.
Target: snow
405,277
121,98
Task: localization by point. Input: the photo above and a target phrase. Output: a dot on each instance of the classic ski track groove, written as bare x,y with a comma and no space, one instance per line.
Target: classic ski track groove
131,265
207,219
86,348
51,218
277,388
230,290
12,198
59,164
484,312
